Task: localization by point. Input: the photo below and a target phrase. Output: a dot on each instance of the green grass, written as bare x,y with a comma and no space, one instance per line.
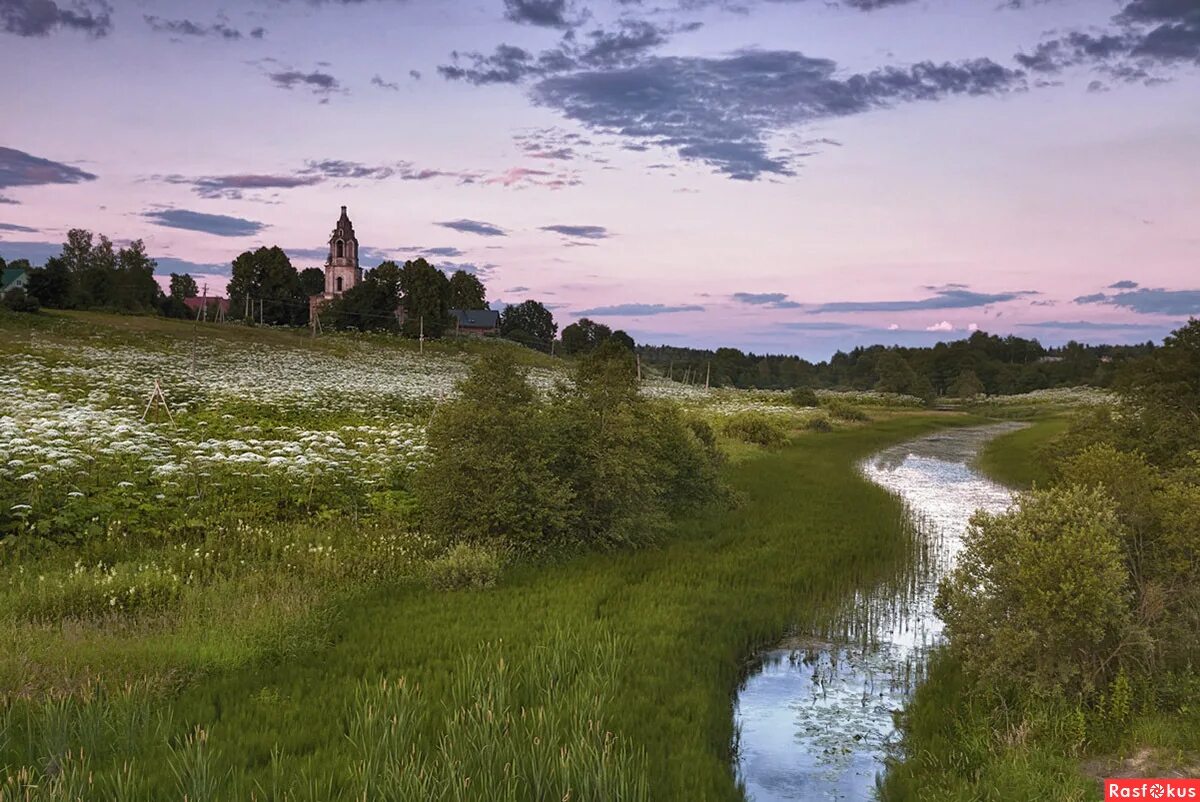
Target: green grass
632,659
145,331
1013,459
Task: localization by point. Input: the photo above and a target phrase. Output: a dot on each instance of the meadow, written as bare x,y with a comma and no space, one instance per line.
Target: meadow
249,614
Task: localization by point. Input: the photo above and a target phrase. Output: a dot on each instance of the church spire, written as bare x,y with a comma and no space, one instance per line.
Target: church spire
341,268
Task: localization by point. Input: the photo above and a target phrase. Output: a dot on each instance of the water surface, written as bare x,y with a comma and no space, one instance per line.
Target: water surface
815,717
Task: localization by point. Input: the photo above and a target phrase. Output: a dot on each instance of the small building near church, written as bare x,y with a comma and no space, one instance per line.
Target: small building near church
207,308
13,278
475,321
341,266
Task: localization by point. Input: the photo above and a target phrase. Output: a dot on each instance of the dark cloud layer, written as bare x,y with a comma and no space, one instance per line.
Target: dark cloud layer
186,27
42,17
15,227
943,299
1145,36
771,300
320,83
233,187
582,232
217,224
721,111
543,13
475,227
638,310
1147,301
20,169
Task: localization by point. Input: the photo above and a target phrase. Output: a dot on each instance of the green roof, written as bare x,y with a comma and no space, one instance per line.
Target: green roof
10,275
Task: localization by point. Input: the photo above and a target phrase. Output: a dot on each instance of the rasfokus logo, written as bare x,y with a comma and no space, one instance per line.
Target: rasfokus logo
1140,788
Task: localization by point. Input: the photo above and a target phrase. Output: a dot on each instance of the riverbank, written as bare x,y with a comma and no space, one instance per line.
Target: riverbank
1014,459
659,636
959,746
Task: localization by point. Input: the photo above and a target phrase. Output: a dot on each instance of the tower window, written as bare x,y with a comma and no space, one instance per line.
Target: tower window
339,278
341,249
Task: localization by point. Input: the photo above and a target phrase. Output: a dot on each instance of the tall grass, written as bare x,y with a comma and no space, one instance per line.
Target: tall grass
611,674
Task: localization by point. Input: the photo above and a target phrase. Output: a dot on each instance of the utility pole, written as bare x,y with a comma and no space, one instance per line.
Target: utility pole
246,317
707,375
639,365
421,335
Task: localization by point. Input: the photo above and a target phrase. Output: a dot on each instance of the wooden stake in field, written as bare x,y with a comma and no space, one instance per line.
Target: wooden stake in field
639,365
157,399
707,375
316,324
421,336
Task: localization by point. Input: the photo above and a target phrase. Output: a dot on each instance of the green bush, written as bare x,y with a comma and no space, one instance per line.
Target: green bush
17,300
755,427
595,464
804,397
1040,598
466,566
840,410
819,423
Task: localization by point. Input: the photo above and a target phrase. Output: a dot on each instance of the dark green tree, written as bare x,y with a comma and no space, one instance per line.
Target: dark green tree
53,284
267,276
136,289
312,281
1161,394
467,291
584,336
367,306
388,276
966,385
183,286
425,297
529,319
619,336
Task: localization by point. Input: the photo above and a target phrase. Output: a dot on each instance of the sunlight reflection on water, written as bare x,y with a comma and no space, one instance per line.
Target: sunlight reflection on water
815,719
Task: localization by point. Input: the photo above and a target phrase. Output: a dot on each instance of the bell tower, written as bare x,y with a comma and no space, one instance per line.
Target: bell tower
341,268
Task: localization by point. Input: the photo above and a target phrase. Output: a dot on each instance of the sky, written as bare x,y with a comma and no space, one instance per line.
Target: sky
783,176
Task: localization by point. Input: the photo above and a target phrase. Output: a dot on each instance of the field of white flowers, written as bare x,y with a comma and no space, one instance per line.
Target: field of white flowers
282,463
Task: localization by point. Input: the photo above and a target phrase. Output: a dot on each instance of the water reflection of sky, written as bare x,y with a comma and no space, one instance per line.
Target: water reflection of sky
816,724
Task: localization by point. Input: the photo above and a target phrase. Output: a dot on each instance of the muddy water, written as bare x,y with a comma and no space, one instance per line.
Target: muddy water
814,719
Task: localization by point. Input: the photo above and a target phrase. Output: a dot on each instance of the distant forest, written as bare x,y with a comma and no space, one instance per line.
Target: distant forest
981,363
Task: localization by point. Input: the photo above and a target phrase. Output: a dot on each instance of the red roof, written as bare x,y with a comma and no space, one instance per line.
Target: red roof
196,303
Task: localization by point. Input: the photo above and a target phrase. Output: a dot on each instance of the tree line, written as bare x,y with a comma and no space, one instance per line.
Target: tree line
91,273
265,287
981,363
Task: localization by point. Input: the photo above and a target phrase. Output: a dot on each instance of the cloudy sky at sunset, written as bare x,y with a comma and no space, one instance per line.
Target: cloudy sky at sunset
778,175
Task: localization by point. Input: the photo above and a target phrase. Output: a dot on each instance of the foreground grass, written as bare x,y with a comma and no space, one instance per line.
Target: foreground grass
1013,459
608,677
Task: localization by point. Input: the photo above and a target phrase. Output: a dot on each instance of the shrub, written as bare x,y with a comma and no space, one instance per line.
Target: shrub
596,464
466,566
488,478
819,423
840,410
755,427
17,300
804,397
1040,597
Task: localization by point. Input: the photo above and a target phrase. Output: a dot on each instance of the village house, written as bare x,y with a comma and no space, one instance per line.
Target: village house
476,321
13,278
207,308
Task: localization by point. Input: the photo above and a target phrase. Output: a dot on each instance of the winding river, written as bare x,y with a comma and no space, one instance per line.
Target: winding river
815,717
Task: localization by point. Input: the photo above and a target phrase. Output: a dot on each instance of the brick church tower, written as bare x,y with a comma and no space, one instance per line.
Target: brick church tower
341,266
